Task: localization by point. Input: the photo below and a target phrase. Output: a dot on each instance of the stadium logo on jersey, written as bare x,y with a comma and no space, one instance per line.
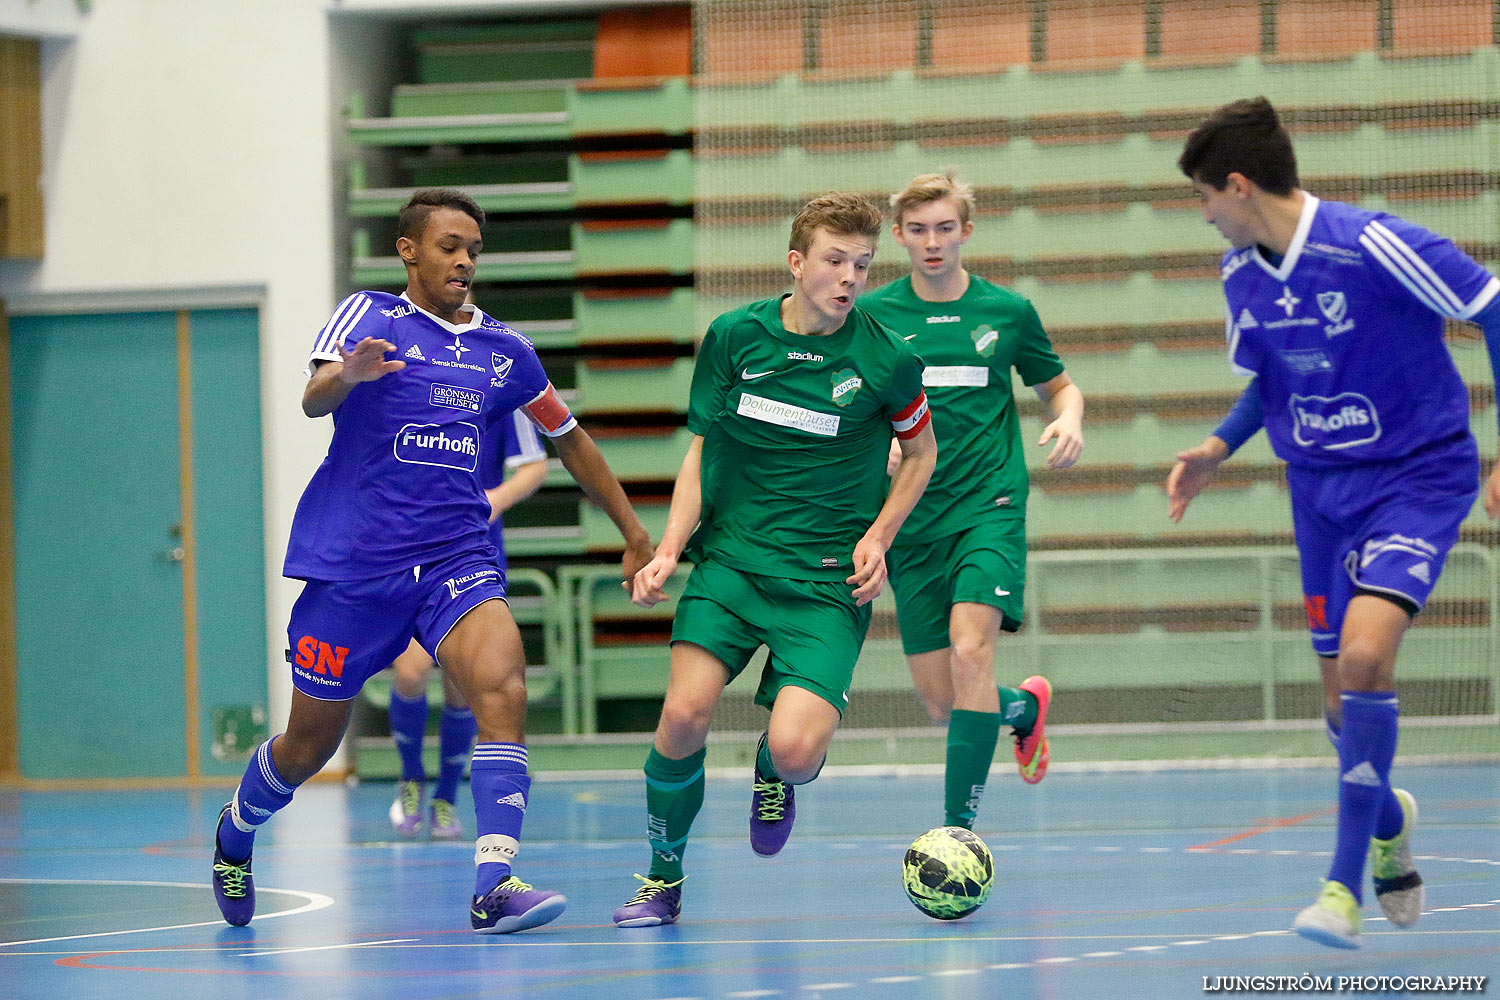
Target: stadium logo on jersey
1334,422
984,338
945,319
415,353
501,364
1288,301
1336,308
458,348
455,446
459,584
845,385
1246,321
456,397
803,356
398,312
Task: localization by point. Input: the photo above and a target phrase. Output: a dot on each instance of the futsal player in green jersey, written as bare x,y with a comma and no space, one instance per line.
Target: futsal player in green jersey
794,404
958,566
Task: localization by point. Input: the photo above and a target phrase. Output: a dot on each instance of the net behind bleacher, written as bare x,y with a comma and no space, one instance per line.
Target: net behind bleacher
1068,117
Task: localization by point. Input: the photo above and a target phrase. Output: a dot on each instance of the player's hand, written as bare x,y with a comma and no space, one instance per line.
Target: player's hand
1492,494
367,362
893,460
637,556
1068,431
1194,470
869,571
646,585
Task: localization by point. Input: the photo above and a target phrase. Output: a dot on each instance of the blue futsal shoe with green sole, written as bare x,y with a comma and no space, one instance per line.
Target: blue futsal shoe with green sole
514,906
234,886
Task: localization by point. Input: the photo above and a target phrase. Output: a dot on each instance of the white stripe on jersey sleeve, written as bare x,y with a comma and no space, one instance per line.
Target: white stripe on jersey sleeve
344,318
530,444
1411,270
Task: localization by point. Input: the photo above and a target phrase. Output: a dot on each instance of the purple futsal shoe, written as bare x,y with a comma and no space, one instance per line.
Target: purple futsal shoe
234,886
656,903
406,809
514,906
773,807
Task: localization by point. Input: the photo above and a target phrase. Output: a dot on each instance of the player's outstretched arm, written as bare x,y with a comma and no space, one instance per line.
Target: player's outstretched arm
682,518
918,459
1194,470
585,463
1065,402
332,381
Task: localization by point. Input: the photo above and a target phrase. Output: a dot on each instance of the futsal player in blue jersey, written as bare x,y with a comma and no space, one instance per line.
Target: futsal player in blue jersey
512,466
1336,313
391,537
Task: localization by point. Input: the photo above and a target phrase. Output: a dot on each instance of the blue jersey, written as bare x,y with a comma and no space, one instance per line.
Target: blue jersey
511,443
400,485
1346,336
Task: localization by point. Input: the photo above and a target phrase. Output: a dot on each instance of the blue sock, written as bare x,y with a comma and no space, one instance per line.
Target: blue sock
498,778
261,793
1390,819
456,735
408,727
1367,745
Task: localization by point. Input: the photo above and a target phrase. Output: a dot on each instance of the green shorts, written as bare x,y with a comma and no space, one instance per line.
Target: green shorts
811,627
985,564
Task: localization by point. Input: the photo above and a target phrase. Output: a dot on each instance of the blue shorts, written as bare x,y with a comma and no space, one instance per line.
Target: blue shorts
1383,530
342,632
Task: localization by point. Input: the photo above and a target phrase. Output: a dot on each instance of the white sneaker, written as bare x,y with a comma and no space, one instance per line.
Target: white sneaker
1398,887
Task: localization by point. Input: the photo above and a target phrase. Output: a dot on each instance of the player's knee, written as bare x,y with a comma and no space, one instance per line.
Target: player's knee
797,758
684,722
1364,666
300,755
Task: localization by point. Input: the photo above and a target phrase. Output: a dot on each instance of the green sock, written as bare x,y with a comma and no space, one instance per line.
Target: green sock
1018,709
674,794
971,748
763,765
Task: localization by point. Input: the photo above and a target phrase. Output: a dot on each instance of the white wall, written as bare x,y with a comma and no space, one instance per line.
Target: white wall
187,144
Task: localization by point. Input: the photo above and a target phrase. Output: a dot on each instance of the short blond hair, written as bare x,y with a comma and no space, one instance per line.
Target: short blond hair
841,213
925,188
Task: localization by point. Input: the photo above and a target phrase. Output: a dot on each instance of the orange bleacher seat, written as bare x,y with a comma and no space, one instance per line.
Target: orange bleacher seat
760,40
857,37
1442,25
650,43
1209,28
1325,28
981,37
1088,30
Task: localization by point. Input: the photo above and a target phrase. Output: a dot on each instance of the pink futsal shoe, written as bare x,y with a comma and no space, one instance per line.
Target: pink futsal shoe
1032,753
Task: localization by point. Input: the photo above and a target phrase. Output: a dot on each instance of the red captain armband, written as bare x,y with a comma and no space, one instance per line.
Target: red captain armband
550,413
909,422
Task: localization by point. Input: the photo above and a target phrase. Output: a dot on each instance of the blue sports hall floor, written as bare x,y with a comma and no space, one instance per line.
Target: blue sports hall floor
1115,885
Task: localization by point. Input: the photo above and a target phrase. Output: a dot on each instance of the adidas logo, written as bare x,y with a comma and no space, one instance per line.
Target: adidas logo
1246,321
415,352
1421,572
513,799
1362,774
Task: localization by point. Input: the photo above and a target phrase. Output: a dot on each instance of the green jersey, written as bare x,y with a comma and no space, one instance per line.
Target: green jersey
796,430
970,346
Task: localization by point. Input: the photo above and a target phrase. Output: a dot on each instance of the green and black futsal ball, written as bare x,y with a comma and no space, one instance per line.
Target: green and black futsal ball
948,872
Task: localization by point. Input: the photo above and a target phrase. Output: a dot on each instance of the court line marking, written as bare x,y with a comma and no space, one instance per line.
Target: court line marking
1266,826
315,901
324,947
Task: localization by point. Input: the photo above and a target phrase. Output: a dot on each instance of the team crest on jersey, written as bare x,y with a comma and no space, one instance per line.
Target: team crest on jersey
501,364
1335,308
845,384
984,337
